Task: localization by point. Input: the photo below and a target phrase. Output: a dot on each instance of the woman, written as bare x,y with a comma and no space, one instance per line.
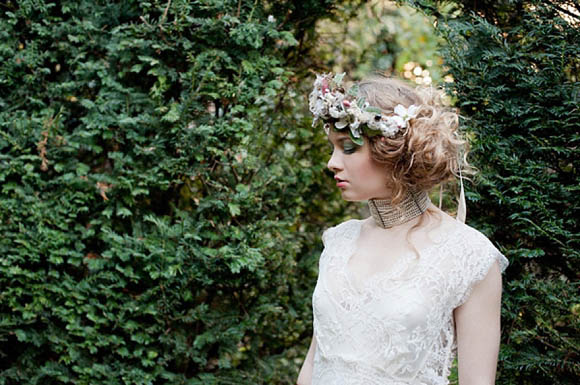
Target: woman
401,292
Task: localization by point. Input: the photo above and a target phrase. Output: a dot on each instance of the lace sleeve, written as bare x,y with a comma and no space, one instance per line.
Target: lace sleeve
326,242
473,266
332,236
325,235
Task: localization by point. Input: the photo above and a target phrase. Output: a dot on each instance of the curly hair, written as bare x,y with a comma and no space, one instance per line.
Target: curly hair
428,152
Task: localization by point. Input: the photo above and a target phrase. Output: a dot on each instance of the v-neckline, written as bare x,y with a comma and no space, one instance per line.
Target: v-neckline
397,266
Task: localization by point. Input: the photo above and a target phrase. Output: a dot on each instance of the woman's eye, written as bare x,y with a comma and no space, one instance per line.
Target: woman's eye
349,148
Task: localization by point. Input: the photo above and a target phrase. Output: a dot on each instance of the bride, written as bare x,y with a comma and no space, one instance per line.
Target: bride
401,293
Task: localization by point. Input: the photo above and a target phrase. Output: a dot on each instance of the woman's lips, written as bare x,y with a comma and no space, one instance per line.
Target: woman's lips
340,182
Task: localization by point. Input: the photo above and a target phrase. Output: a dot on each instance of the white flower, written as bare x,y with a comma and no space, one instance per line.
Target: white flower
337,112
313,100
390,125
330,97
271,19
318,81
388,129
376,122
397,121
355,111
353,127
405,113
413,111
328,100
341,124
317,107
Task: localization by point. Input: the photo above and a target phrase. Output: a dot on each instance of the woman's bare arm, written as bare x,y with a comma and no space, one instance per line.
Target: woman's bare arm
477,323
305,376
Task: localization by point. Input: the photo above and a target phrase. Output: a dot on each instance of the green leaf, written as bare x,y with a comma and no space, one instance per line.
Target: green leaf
234,209
358,141
172,115
374,110
338,78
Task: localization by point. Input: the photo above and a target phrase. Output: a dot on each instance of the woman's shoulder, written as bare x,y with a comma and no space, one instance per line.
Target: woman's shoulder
344,230
464,241
475,248
473,236
349,223
452,227
471,257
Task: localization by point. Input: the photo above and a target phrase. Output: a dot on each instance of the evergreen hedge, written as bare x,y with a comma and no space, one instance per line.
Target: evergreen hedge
160,215
516,70
162,194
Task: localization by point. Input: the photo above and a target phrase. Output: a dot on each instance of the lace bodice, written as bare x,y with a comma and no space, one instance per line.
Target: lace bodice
397,328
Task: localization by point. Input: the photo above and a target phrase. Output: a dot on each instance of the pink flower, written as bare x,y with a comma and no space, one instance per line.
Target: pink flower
325,86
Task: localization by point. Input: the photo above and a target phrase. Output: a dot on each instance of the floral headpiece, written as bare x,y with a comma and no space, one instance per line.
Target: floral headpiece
330,102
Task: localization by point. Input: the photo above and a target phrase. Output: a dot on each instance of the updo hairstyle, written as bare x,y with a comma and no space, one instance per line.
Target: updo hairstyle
427,152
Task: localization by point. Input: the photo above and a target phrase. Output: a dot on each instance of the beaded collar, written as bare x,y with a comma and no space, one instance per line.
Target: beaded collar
386,215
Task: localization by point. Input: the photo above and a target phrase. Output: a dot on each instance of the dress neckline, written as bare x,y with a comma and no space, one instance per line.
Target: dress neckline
398,266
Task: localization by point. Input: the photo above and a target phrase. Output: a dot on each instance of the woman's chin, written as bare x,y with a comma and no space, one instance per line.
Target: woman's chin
349,197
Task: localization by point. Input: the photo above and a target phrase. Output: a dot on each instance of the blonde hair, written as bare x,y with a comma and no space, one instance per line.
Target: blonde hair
429,151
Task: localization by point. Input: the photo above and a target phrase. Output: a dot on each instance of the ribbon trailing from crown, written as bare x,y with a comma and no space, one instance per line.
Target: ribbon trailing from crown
331,103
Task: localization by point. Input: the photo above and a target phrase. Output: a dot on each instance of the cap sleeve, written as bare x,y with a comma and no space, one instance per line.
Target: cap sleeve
326,241
342,231
336,238
473,264
325,235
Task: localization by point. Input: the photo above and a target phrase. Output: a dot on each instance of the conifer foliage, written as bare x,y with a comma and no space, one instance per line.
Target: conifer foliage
516,70
155,204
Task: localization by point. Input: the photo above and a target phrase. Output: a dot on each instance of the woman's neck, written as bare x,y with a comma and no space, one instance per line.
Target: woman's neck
387,215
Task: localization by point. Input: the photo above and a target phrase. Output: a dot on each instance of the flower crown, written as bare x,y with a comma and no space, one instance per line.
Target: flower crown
330,102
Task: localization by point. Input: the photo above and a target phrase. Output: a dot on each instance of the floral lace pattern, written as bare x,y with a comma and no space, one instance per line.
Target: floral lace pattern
396,328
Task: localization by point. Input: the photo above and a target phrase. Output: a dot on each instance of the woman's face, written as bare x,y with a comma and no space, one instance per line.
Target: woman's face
358,176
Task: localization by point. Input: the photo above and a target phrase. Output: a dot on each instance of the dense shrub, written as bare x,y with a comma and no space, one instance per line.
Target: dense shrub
160,222
516,73
162,193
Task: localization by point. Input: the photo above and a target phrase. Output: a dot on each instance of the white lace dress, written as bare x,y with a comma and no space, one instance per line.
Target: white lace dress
397,329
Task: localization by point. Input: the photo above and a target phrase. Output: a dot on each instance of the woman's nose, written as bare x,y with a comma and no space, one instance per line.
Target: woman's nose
334,162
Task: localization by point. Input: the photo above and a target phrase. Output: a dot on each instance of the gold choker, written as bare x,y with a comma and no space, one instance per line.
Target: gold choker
386,215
